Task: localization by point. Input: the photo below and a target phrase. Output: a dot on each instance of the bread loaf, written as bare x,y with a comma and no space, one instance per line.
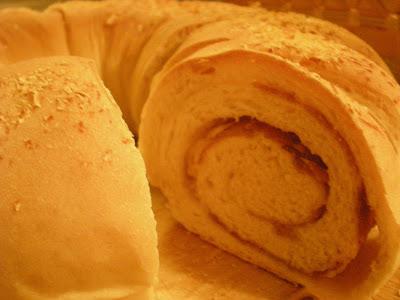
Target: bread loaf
274,136
279,143
75,213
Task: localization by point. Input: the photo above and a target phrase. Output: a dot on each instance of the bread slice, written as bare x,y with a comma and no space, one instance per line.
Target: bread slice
280,145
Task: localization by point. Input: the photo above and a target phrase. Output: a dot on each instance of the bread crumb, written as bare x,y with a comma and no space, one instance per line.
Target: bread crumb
107,156
127,141
48,118
28,144
35,100
68,89
81,127
111,20
20,120
82,94
85,164
60,106
17,206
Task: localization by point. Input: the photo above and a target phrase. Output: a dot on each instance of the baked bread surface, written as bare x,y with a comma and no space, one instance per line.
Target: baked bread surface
76,219
273,135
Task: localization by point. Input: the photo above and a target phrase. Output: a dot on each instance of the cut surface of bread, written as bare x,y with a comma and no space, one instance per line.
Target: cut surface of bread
274,136
270,144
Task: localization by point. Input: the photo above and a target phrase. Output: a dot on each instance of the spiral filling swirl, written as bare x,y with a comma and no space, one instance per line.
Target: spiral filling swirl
280,164
250,173
267,187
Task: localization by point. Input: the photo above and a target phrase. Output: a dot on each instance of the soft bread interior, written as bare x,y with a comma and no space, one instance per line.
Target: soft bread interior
234,124
234,85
